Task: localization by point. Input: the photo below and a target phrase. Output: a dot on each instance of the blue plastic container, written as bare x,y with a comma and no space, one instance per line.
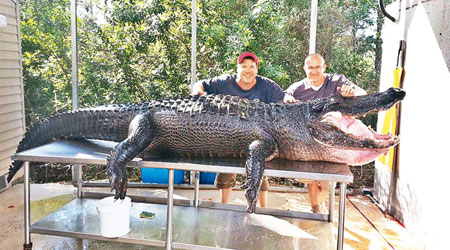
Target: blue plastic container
161,175
207,177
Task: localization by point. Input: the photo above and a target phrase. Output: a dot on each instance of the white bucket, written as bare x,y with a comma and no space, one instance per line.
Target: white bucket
114,216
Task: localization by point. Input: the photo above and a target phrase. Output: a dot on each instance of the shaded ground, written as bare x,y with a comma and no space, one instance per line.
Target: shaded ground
365,226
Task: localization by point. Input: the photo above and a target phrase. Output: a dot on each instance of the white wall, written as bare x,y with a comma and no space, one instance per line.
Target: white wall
418,196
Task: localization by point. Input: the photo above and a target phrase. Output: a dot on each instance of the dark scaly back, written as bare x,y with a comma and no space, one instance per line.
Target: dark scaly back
212,126
111,122
108,122
220,105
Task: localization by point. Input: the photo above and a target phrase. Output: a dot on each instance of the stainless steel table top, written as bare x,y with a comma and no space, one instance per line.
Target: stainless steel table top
96,151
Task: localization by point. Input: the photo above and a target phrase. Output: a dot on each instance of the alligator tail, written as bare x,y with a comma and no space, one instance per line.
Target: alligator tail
104,123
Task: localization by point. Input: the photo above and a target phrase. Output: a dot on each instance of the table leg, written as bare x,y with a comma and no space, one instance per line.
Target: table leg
342,191
331,201
26,188
169,210
197,187
79,172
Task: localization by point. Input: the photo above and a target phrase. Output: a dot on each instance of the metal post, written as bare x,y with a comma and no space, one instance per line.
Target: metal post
73,45
169,211
194,43
331,201
342,190
74,51
79,180
27,219
312,27
197,188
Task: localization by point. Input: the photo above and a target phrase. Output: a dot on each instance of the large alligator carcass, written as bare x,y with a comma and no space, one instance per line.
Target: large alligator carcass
225,126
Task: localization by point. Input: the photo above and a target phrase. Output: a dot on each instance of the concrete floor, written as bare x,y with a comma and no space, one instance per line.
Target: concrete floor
365,226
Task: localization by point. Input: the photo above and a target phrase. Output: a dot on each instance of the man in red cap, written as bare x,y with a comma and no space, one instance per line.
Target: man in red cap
248,84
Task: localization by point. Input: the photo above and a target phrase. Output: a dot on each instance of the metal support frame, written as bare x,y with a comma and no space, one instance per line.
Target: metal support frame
27,218
68,151
170,207
169,211
331,201
196,187
79,174
342,190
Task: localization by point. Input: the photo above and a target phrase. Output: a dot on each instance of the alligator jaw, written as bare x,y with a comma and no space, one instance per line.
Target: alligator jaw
337,130
349,140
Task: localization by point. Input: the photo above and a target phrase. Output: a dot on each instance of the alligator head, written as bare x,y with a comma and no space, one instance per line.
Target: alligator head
334,126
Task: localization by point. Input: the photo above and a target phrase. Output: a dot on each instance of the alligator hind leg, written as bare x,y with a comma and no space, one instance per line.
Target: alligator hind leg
258,152
141,133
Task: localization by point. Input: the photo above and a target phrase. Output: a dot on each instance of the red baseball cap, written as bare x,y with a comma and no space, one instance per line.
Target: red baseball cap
247,55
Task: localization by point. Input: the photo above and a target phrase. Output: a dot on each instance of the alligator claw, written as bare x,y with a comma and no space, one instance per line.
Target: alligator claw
245,186
120,185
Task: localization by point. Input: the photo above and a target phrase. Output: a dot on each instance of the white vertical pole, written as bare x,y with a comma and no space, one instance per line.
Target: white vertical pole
331,201
73,45
27,218
312,27
341,228
196,188
169,211
76,170
194,43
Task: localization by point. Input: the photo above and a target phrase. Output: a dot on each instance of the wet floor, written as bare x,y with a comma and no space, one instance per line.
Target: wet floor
365,226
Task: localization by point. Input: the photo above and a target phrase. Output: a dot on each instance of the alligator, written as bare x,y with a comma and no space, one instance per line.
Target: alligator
225,126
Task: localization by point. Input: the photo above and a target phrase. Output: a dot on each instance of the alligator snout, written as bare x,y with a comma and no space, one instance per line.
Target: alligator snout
397,93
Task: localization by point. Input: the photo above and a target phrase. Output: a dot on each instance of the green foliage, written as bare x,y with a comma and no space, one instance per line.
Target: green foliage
140,50
140,53
278,32
46,62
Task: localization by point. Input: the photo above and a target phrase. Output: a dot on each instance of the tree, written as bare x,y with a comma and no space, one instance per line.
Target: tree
46,63
141,50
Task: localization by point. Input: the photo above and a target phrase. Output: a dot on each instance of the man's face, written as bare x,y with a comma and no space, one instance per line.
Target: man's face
315,69
247,71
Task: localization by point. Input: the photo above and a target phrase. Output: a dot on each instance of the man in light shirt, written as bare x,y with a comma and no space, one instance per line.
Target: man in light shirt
319,84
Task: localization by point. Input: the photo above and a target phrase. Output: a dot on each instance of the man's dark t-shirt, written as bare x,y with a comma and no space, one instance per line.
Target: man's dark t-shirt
265,90
303,90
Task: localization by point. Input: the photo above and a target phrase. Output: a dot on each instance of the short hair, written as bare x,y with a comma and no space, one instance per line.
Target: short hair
315,55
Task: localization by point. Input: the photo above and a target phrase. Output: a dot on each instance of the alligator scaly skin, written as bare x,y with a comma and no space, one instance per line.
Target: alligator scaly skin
208,126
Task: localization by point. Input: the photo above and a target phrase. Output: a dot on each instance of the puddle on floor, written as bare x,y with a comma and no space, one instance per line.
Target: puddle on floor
42,208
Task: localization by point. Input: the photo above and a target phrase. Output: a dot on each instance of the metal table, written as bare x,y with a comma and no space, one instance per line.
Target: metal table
224,219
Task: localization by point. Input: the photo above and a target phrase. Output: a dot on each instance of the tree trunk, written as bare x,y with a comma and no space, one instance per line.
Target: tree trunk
378,44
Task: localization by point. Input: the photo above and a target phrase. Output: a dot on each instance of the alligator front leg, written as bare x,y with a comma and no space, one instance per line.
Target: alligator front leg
258,152
141,133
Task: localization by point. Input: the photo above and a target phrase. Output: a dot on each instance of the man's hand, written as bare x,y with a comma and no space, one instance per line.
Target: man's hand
197,89
347,90
289,99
